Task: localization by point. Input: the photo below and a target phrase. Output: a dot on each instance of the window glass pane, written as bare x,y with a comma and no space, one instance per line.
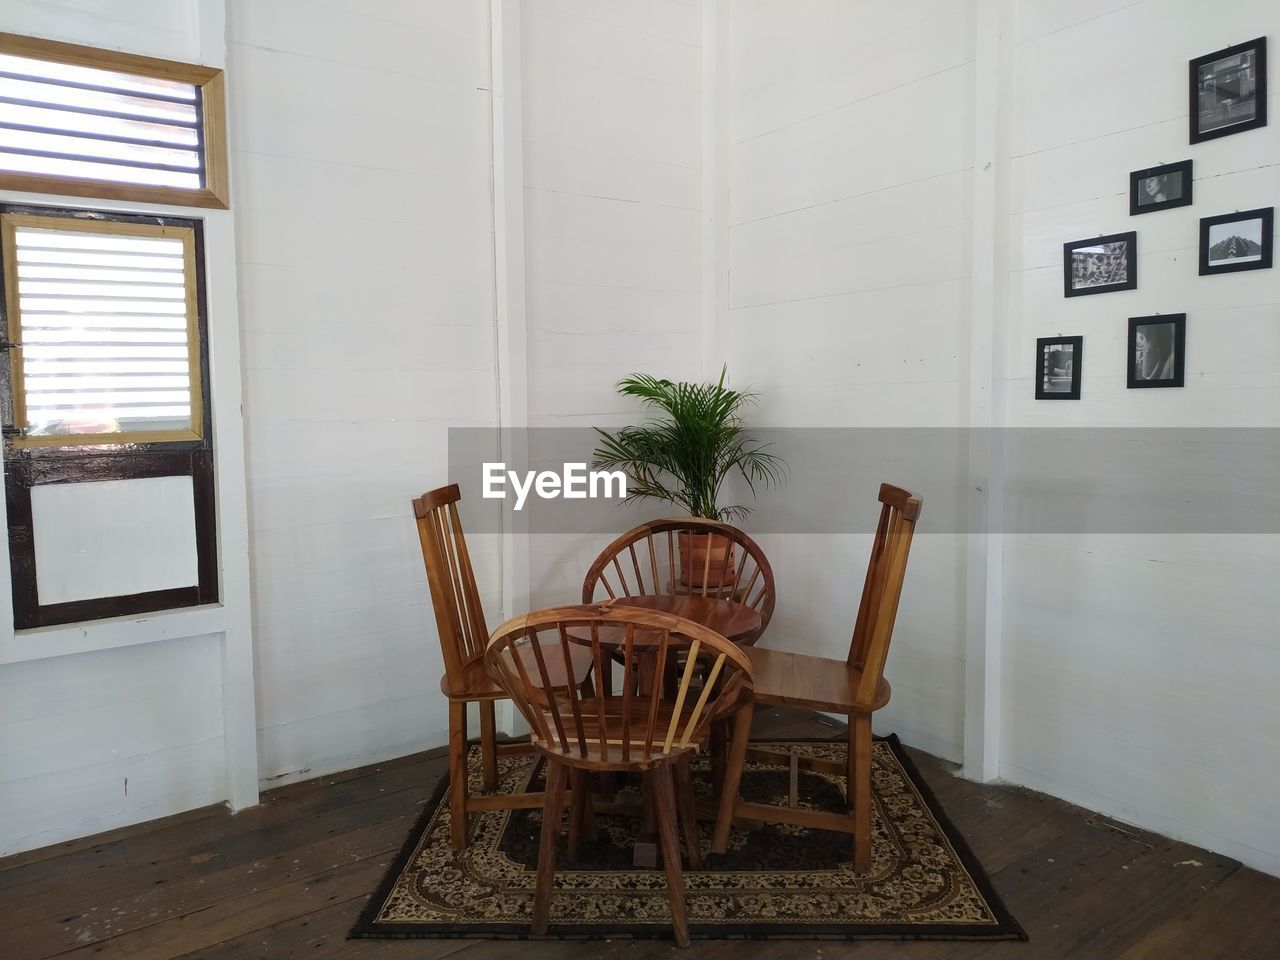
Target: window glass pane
105,321
83,122
26,66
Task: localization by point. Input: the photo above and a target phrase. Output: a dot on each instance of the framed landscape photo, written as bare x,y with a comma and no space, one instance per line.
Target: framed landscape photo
1229,91
1236,241
1058,368
1160,188
1157,350
1100,265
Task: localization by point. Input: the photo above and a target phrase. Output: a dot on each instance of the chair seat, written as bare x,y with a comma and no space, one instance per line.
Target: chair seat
796,679
475,685
478,685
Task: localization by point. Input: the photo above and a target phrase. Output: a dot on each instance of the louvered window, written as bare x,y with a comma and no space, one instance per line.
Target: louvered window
89,122
102,322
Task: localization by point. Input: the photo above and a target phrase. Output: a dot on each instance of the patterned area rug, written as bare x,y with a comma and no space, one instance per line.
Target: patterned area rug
776,881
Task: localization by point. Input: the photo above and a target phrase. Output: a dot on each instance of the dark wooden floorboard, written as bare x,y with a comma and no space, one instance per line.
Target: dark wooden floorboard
174,840
287,879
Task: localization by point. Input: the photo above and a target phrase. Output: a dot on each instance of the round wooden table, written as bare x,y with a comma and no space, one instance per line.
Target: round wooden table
736,621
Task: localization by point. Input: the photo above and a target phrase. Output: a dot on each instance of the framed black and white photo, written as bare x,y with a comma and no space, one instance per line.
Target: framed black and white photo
1229,91
1236,241
1159,188
1058,368
1157,350
1100,265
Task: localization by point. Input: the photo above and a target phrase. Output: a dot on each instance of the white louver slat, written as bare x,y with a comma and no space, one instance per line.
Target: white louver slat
74,121
105,323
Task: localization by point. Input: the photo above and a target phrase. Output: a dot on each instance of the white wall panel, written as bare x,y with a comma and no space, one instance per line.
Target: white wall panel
362,156
157,28
113,538
849,191
99,740
1138,668
613,193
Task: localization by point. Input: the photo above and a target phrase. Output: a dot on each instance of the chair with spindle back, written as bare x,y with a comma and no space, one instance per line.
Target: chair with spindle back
854,687
637,730
463,635
647,561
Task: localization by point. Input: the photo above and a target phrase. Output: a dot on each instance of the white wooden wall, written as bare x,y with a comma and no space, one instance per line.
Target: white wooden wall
613,193
1139,671
849,161
1129,673
362,152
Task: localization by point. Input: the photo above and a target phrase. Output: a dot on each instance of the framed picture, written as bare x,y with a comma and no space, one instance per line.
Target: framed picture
1157,350
1100,265
1229,91
1236,241
1058,368
1159,188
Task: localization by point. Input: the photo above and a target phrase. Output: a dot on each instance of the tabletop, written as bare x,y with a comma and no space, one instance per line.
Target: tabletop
736,621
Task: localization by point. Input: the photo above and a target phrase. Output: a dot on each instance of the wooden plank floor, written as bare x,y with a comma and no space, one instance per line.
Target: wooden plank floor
288,878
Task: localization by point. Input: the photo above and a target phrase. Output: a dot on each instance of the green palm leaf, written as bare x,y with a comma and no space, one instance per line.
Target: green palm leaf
695,439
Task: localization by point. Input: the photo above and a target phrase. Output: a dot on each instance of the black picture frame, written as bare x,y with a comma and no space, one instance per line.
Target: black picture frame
1167,368
1080,248
1044,372
1174,175
1245,260
1211,112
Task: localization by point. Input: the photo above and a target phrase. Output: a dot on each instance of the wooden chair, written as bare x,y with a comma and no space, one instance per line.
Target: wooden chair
855,687
637,730
461,625
646,561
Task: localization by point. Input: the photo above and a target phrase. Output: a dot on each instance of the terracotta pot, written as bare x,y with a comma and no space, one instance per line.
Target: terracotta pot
694,562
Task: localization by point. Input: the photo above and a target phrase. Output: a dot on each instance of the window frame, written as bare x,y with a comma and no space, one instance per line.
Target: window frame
9,224
111,457
210,83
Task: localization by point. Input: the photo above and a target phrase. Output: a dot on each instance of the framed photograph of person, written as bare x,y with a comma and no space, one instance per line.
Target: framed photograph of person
1100,265
1058,368
1157,350
1236,241
1229,91
1160,188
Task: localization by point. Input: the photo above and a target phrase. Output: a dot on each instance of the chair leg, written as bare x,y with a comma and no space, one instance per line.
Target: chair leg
578,806
590,829
488,745
719,747
851,759
688,812
732,777
860,788
458,773
552,804
664,800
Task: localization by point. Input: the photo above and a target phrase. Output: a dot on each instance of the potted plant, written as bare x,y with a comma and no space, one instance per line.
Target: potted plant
683,455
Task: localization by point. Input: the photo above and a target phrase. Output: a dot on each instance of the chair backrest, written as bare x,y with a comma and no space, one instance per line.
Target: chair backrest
535,657
459,615
684,555
880,592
